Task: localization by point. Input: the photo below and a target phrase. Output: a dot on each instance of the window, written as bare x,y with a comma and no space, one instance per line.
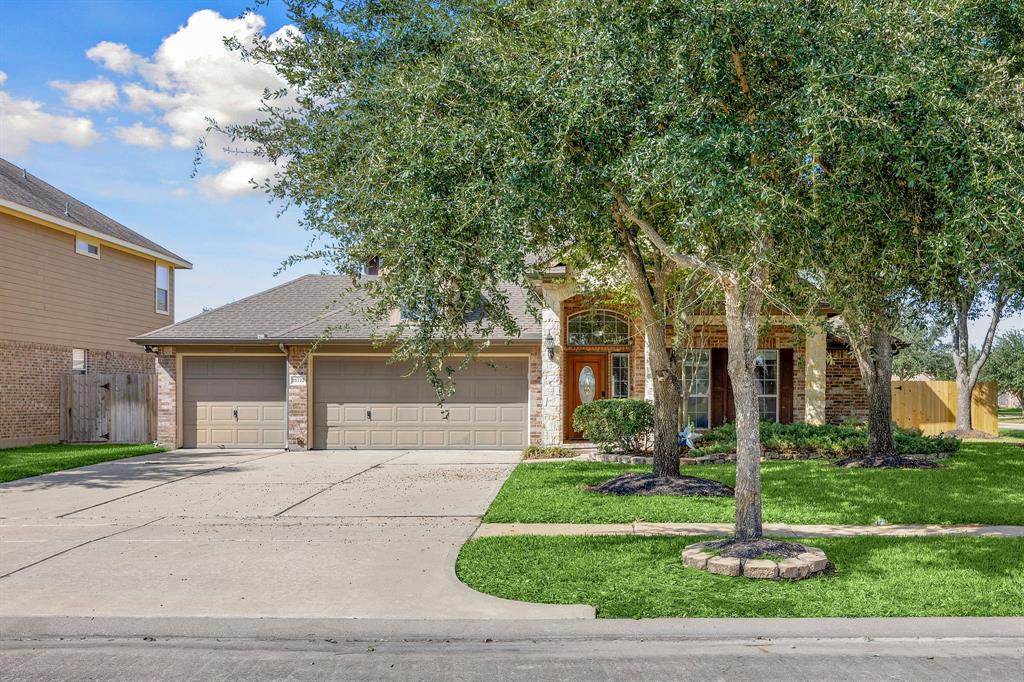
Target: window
87,247
697,388
372,266
163,282
79,360
766,383
620,375
598,328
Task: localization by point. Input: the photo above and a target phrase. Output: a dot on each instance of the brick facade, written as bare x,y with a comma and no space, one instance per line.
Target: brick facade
299,437
167,398
845,395
30,380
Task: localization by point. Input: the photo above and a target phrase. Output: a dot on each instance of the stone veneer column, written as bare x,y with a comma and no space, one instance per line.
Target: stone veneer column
551,367
167,398
814,374
298,398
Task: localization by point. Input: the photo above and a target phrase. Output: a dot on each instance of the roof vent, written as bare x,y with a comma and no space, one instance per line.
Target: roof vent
67,209
260,337
24,173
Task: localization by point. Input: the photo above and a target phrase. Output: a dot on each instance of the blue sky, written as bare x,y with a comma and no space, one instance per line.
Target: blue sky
110,97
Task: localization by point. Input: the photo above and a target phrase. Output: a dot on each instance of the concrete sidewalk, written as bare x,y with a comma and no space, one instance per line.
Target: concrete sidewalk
490,530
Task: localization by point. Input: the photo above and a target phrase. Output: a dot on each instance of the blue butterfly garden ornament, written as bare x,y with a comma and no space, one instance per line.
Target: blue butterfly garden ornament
688,438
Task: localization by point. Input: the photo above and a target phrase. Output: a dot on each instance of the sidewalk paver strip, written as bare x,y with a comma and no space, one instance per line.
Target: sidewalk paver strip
487,530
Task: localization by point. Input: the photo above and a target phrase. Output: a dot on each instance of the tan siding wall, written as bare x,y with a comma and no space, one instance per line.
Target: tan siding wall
50,294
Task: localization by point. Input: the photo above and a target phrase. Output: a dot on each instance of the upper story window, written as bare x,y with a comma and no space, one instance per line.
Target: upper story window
163,289
87,247
598,328
372,266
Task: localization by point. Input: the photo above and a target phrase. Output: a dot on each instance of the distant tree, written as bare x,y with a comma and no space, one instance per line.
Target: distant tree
925,353
1006,365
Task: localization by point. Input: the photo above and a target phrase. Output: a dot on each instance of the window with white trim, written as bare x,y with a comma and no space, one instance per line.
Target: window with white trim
79,361
620,375
87,247
766,382
697,388
163,289
598,328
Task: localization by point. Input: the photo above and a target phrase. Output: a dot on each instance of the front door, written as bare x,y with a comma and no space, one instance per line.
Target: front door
588,379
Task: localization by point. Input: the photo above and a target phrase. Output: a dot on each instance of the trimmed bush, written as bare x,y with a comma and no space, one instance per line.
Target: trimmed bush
616,425
547,452
836,440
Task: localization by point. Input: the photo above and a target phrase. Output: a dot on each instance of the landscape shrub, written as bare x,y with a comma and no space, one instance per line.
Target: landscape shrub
616,425
547,452
833,439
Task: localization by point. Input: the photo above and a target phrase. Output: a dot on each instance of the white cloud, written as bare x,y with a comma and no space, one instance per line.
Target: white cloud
193,77
23,121
3,77
179,192
237,179
98,93
116,57
142,136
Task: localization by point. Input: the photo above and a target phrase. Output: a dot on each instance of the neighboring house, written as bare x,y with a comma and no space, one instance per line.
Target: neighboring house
75,285
295,367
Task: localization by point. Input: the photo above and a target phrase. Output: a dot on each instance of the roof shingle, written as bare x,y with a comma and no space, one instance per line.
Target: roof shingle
314,307
23,188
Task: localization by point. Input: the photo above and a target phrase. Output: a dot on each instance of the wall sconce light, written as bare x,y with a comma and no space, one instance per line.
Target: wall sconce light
549,344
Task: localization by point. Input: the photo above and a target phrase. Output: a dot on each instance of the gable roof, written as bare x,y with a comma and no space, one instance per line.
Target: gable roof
26,193
310,308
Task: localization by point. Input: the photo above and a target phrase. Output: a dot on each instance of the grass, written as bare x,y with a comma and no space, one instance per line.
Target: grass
36,460
983,483
637,577
1011,414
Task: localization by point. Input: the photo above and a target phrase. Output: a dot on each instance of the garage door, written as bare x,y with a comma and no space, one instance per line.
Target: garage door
369,403
234,402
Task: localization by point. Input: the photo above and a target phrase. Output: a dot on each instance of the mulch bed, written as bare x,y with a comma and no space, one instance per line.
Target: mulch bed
636,483
968,433
752,549
886,462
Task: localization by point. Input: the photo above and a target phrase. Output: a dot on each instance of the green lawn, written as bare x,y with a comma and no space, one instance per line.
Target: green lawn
1011,414
636,577
18,463
983,483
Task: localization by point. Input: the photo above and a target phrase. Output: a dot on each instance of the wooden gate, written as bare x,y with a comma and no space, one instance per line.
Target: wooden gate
108,408
931,406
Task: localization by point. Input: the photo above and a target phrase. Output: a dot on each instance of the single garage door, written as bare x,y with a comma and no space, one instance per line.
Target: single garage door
234,402
371,403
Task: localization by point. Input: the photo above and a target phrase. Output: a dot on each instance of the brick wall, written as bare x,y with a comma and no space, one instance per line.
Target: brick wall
30,386
845,395
167,402
299,437
536,414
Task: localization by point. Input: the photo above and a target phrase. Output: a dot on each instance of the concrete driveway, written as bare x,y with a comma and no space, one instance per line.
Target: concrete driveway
189,533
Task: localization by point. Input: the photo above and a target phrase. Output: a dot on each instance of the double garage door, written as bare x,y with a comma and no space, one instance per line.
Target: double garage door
358,402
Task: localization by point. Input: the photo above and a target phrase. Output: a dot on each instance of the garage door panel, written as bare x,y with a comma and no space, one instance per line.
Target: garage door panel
487,410
215,390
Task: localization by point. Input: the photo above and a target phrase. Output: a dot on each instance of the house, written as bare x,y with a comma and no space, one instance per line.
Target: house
75,285
295,367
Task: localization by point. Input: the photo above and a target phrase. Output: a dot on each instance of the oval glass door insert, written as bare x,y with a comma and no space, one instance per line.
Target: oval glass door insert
588,384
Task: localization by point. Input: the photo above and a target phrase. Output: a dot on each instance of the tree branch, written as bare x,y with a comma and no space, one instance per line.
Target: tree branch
686,260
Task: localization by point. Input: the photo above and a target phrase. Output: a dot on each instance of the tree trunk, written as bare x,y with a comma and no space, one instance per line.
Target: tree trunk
664,366
872,347
667,386
964,391
741,326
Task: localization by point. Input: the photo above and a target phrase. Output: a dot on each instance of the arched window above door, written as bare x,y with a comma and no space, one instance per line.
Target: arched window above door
598,328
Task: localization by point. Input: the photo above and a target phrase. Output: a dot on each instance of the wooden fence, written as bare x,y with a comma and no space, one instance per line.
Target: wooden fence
931,406
108,408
